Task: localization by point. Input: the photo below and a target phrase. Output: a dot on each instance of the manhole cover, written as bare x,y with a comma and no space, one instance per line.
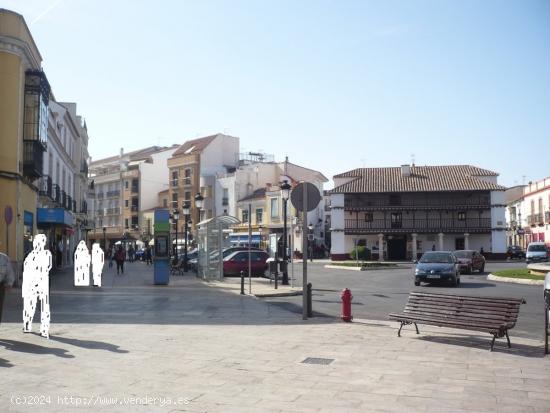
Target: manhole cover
317,360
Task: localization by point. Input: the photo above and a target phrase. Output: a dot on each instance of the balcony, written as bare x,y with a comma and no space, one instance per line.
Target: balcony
134,208
547,217
83,207
84,168
359,203
225,201
63,201
100,195
418,225
33,161
174,182
112,211
535,219
74,205
45,186
112,194
69,203
56,193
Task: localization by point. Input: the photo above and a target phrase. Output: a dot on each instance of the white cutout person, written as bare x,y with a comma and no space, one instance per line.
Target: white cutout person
97,264
82,262
36,273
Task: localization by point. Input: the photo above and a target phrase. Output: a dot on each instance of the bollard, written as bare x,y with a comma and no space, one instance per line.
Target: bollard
242,282
309,303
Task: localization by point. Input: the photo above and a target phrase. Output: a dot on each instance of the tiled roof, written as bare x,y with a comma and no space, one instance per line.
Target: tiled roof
421,179
195,145
133,155
257,194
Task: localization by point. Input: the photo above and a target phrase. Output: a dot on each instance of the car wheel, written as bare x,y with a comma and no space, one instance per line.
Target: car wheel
417,283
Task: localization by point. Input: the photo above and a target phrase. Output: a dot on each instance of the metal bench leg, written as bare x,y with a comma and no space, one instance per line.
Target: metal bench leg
399,331
417,332
508,338
493,342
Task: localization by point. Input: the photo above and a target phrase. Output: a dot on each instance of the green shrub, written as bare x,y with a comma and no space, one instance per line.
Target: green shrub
363,253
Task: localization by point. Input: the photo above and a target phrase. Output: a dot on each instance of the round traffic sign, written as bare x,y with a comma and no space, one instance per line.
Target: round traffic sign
313,197
8,214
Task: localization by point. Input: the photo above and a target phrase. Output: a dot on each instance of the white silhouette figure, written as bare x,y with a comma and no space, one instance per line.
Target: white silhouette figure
36,273
82,262
97,264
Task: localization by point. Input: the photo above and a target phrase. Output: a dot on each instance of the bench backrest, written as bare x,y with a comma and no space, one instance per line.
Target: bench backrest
493,311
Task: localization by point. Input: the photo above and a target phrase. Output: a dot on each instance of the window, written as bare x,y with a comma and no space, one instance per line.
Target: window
244,216
50,165
368,217
126,187
126,203
540,206
395,199
274,207
259,215
461,216
135,223
174,178
225,198
174,200
126,223
187,195
165,203
396,220
187,177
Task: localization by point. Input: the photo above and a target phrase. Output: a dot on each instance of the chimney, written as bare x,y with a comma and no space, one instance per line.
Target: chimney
121,152
406,170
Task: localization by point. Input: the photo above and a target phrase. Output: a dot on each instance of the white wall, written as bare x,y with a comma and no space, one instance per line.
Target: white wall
222,151
154,178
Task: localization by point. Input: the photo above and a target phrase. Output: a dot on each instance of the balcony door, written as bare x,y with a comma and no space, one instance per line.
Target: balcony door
396,220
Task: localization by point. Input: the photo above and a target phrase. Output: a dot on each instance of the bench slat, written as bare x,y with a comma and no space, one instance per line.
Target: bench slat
449,300
469,297
452,317
452,323
461,315
466,310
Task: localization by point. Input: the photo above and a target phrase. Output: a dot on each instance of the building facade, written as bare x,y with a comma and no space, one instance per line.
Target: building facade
400,212
193,168
124,186
528,213
24,100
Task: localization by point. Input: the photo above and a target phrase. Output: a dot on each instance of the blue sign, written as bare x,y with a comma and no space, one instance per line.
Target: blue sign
59,216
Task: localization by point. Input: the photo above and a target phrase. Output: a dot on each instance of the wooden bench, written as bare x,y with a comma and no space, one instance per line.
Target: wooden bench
493,315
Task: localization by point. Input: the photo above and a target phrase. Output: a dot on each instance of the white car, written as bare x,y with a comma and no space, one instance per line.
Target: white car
536,251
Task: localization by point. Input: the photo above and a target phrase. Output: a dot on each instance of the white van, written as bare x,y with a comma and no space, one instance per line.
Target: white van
536,251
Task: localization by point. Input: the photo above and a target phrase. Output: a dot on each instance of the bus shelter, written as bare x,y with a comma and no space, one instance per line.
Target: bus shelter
213,237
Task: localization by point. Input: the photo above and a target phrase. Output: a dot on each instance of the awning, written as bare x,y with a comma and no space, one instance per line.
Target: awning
243,238
54,216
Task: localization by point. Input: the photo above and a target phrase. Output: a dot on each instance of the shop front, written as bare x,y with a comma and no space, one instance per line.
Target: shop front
58,226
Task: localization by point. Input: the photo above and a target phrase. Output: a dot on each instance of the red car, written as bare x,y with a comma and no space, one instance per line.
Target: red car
470,260
234,263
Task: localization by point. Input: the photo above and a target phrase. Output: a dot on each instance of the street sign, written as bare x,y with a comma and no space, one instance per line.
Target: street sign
8,215
520,231
313,197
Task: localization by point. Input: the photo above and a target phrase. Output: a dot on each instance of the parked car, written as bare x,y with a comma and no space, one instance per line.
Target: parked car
437,266
470,260
193,263
236,262
536,251
515,251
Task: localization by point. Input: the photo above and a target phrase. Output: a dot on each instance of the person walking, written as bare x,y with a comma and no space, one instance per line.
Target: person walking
120,257
148,257
7,278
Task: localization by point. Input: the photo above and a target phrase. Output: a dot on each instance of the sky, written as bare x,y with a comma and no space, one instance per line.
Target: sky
333,85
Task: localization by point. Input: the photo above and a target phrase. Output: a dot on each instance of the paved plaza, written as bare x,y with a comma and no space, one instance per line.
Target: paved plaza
189,346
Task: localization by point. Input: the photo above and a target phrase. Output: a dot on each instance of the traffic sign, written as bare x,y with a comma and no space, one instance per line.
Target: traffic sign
8,215
313,197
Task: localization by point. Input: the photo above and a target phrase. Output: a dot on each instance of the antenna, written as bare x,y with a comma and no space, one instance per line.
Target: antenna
412,159
523,179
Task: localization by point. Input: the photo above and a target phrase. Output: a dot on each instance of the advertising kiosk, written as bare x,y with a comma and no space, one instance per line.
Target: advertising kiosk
162,242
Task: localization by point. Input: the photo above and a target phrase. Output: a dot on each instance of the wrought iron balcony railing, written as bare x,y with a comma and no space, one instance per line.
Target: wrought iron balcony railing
420,225
45,186
33,159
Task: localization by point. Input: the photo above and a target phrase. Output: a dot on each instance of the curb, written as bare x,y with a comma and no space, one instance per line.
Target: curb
285,294
384,267
492,277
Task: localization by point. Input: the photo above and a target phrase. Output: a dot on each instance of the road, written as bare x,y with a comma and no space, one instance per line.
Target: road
376,293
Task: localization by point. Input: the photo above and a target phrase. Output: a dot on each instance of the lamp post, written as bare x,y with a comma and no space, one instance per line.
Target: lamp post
185,209
104,239
285,194
175,217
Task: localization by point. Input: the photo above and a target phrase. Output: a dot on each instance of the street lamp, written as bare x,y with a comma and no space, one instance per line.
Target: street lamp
285,194
185,209
175,217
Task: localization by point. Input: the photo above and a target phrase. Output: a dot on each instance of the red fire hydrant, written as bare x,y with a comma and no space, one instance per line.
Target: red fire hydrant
346,304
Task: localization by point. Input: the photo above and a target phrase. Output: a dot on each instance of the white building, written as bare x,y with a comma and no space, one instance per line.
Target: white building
63,188
528,213
400,212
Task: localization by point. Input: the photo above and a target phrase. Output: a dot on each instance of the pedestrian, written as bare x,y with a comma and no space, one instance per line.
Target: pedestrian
148,257
111,257
433,247
481,251
120,257
7,278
